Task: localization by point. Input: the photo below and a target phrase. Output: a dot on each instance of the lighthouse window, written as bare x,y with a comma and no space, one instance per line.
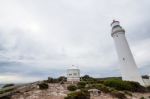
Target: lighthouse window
123,58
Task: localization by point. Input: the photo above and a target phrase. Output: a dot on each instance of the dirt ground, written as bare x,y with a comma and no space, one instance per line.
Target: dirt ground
58,91
135,96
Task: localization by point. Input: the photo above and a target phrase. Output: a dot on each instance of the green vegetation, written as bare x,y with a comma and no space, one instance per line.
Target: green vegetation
99,87
61,80
81,85
145,76
128,93
8,85
52,80
124,85
87,78
148,88
43,86
142,98
4,90
72,88
83,94
5,97
118,94
113,86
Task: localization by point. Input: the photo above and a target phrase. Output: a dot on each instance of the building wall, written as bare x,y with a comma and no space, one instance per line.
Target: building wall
73,75
147,82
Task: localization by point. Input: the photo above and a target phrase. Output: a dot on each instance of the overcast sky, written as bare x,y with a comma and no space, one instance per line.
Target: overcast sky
41,38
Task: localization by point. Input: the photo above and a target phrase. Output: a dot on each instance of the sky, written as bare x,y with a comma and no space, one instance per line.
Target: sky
42,38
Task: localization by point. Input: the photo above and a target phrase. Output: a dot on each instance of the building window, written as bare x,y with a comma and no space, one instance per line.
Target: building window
70,74
123,58
75,74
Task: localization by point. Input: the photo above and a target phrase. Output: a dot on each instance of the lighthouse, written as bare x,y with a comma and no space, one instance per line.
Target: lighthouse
129,70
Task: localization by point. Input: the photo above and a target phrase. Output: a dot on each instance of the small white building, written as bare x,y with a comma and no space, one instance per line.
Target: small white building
73,74
147,81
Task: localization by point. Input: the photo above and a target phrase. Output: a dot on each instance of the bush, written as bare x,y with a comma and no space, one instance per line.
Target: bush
6,90
100,87
124,85
78,95
81,84
8,85
43,86
145,76
104,89
101,81
71,87
62,78
142,98
118,94
148,88
88,79
5,97
136,87
50,80
128,93
118,84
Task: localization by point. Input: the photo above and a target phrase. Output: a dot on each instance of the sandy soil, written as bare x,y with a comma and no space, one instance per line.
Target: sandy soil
58,91
135,96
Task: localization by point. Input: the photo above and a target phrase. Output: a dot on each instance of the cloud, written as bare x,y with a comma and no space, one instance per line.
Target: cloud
43,38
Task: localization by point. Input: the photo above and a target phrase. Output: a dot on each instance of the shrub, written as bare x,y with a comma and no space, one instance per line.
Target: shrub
145,76
43,86
5,97
88,79
6,90
124,85
8,85
118,94
101,81
136,87
50,80
105,89
148,88
112,89
62,82
71,87
62,78
142,98
118,84
128,93
100,87
81,84
78,95
85,77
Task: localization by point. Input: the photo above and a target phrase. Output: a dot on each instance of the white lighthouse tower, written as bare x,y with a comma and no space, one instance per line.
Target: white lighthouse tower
129,70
